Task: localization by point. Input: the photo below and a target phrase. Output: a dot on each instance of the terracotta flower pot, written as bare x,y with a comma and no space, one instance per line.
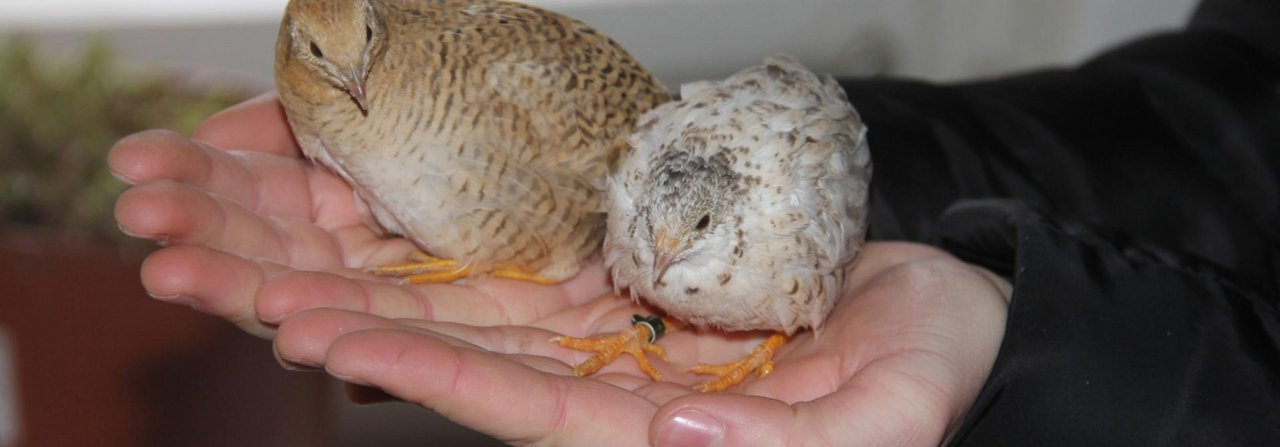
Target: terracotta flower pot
97,362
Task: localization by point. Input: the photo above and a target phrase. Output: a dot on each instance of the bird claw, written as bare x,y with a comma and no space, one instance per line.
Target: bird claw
520,275
607,349
759,361
422,268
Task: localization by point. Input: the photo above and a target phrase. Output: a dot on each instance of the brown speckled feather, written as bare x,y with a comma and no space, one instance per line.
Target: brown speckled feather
490,125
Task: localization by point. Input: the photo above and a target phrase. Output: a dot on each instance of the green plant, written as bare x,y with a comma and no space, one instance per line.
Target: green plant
57,123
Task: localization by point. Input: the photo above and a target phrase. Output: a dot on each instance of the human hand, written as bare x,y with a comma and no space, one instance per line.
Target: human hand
255,234
252,232
898,362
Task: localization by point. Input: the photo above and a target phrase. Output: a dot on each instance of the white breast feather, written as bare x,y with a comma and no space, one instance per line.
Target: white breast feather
806,140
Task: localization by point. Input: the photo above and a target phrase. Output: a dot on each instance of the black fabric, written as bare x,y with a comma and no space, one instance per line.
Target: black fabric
1113,344
1134,203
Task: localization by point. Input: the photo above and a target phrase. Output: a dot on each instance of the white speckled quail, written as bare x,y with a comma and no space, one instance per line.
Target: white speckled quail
741,207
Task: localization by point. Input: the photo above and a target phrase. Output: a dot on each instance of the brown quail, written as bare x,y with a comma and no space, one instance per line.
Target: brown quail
482,130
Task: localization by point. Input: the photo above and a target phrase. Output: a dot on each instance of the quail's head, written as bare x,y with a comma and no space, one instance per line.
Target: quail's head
685,210
327,48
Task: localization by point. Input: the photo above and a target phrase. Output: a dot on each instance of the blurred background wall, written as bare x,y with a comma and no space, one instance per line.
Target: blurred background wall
81,360
678,39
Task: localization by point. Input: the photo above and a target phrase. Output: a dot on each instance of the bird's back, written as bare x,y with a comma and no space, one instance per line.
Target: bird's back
556,87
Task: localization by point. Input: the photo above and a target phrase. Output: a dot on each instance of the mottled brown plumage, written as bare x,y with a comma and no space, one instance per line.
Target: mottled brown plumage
482,130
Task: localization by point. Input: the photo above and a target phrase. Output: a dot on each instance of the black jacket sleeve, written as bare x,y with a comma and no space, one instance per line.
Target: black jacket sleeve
1134,203
1110,342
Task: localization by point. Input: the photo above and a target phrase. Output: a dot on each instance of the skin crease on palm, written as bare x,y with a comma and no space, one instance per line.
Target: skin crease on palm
254,234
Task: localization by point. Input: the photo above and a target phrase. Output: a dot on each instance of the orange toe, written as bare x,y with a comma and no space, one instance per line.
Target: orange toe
760,361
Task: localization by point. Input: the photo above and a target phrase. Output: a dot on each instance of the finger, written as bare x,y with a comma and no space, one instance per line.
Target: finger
535,343
154,154
876,408
721,420
489,393
265,184
310,333
305,337
209,281
293,292
174,213
257,125
680,347
304,340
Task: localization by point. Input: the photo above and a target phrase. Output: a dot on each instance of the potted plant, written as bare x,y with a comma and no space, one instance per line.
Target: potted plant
96,362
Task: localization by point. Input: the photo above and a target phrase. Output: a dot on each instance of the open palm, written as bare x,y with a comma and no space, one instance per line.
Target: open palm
256,235
252,233
897,363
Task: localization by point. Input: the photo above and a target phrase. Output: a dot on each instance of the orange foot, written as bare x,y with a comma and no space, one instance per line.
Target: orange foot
422,268
760,361
636,340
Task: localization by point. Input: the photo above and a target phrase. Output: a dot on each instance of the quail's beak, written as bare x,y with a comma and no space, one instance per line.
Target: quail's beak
665,250
354,83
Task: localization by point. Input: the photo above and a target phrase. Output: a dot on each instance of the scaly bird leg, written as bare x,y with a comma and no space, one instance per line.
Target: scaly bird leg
519,274
760,361
422,268
635,340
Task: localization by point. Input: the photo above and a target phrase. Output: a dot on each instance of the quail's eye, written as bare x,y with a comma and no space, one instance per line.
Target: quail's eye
315,51
368,33
703,222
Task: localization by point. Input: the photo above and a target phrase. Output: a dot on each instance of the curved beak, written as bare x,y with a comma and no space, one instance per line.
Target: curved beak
354,83
665,250
661,262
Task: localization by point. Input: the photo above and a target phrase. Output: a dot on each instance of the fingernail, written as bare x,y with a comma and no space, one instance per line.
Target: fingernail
299,365
129,233
179,299
345,377
691,428
161,239
121,177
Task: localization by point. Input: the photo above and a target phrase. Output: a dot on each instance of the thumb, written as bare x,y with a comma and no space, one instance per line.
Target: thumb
862,415
722,420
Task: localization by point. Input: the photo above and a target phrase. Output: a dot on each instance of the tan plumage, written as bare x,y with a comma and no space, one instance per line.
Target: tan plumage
482,130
